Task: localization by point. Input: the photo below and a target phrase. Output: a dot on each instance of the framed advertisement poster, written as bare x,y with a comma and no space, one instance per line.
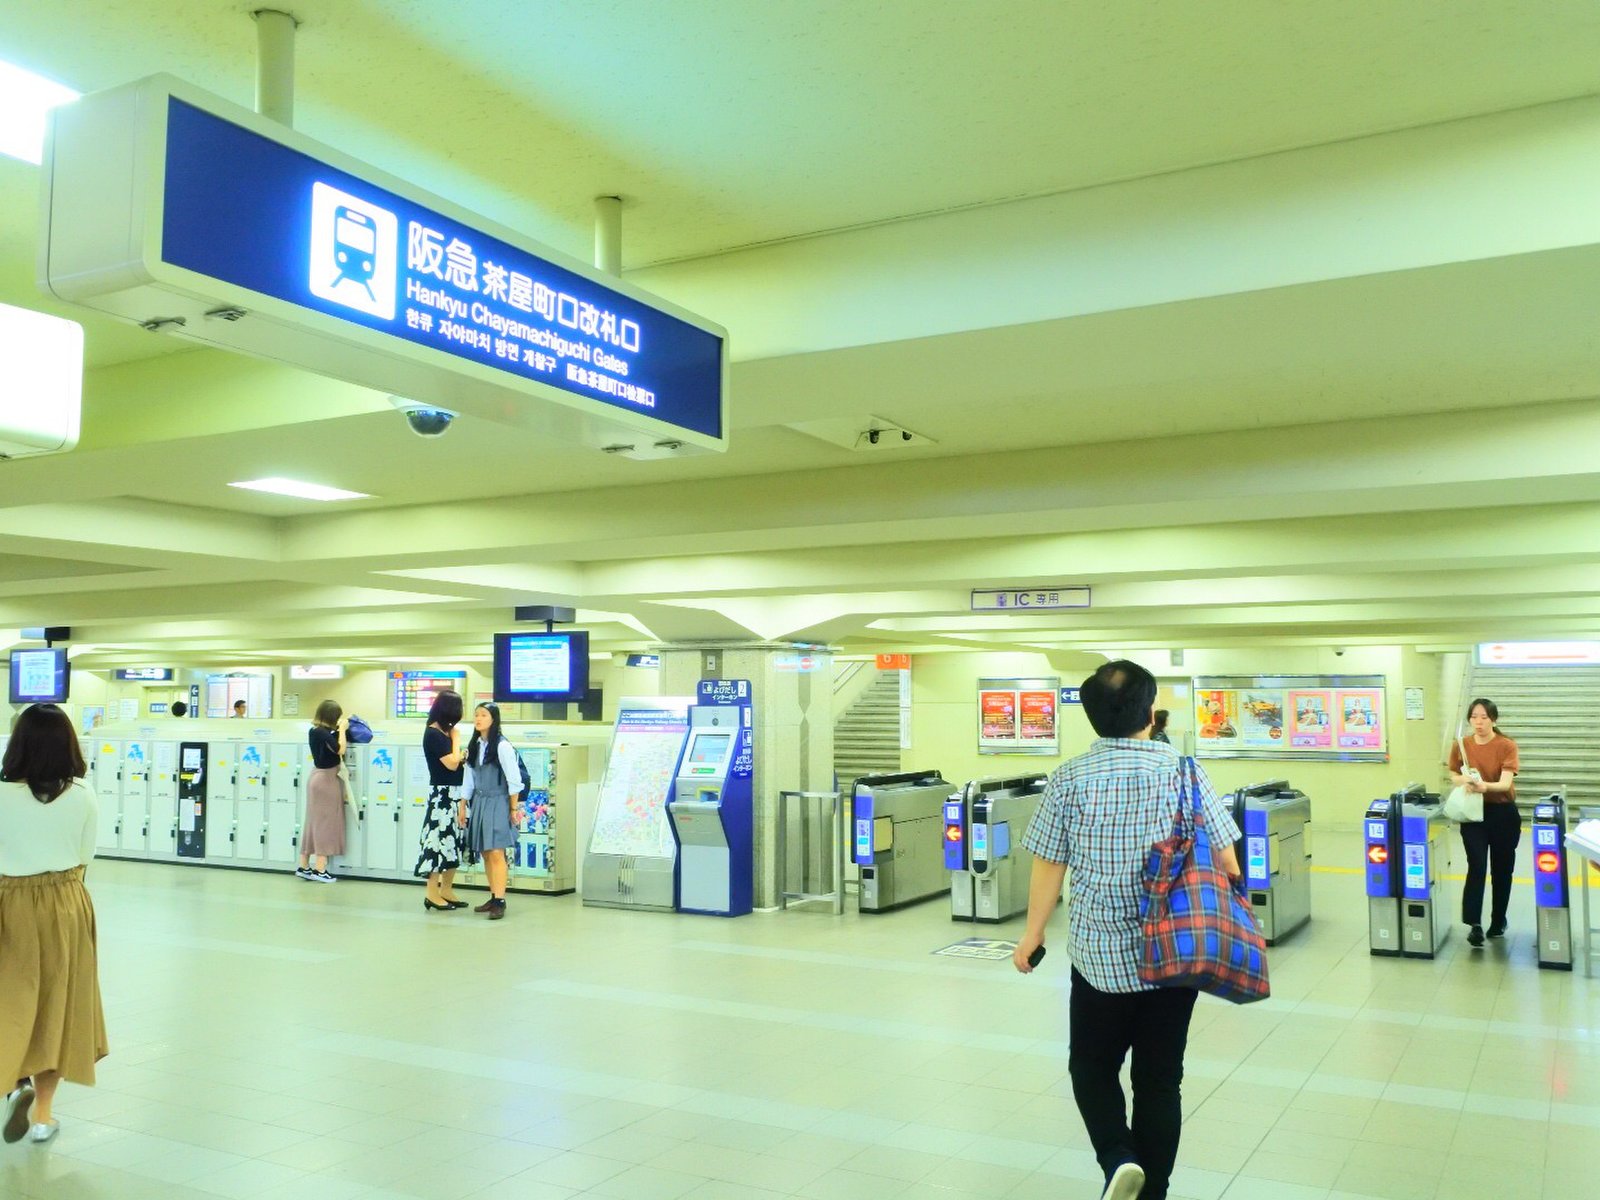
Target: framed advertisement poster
1332,718
1019,716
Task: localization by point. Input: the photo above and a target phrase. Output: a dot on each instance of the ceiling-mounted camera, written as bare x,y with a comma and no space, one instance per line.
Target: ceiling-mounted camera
426,420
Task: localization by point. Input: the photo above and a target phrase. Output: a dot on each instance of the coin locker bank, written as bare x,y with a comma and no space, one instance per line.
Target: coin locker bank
215,798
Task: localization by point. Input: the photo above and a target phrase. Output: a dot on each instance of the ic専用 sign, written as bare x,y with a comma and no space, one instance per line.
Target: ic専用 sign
1047,599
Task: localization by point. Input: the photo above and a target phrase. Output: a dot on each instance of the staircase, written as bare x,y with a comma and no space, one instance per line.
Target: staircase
866,739
1553,714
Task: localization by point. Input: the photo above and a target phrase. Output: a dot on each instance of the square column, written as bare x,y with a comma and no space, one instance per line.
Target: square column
792,689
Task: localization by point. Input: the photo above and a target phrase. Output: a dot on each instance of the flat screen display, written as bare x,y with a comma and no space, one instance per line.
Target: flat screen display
709,748
541,668
39,676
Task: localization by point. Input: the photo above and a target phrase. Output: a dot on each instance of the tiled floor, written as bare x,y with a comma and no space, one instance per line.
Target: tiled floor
275,1039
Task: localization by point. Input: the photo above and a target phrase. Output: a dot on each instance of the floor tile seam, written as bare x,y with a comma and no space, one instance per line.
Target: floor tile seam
822,1116
774,1014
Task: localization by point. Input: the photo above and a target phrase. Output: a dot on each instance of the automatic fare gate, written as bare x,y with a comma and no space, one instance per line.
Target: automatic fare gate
983,828
1406,841
1551,889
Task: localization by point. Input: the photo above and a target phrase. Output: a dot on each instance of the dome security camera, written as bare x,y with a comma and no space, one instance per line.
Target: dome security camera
426,420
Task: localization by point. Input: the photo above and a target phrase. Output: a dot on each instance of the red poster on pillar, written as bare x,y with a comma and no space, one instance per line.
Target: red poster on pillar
1039,716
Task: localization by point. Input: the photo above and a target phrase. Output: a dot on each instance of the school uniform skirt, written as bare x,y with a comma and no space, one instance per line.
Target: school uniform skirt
50,1013
324,828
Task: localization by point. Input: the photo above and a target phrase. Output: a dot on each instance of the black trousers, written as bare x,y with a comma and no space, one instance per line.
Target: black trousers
1491,846
1155,1026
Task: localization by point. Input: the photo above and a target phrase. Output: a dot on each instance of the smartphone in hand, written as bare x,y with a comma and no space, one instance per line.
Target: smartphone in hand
1036,957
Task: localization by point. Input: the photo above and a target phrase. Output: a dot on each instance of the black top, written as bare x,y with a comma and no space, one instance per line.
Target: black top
435,745
324,747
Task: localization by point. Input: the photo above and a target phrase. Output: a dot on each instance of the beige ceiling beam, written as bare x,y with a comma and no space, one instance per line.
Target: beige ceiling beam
1504,184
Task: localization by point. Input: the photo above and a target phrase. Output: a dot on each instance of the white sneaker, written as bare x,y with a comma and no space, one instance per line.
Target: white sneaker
17,1105
1127,1181
44,1131
321,877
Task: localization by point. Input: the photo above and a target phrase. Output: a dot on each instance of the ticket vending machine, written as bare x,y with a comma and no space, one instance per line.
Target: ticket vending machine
1381,839
133,831
164,797
222,791
984,824
1551,888
1274,850
250,804
284,800
1425,920
712,808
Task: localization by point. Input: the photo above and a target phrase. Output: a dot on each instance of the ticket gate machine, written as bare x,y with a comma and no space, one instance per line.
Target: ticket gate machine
1551,888
983,828
712,807
1380,835
898,826
1274,850
1425,836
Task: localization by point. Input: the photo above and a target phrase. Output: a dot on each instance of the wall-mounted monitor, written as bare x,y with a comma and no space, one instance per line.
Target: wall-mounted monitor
39,676
541,668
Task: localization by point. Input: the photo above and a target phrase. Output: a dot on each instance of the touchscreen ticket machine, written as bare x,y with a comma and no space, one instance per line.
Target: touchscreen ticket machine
983,828
1551,895
712,808
1274,850
897,824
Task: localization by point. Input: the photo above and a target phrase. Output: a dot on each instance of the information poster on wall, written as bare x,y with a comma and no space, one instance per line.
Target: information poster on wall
412,693
1019,716
1336,718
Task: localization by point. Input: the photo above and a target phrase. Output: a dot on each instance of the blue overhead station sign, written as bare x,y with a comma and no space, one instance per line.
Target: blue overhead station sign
255,223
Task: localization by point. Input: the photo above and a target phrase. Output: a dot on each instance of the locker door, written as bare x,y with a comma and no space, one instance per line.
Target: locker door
163,798
383,809
222,800
134,830
357,769
413,804
108,792
283,802
251,805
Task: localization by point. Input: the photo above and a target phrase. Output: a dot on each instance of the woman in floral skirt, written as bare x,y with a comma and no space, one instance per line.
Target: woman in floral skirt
441,828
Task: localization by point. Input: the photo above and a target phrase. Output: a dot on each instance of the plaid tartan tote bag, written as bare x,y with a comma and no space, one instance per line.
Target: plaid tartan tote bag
1199,929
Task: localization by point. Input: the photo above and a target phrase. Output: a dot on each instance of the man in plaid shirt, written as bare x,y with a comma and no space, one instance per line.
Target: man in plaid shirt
1101,813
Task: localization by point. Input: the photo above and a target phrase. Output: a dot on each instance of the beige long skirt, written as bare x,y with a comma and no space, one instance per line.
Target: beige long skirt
50,1014
323,832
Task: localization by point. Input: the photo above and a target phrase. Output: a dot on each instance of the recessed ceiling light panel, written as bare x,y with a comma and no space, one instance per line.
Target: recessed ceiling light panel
299,490
25,98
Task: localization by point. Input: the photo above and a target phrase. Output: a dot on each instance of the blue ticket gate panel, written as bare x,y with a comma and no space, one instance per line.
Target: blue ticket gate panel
898,829
1425,834
1274,851
984,824
712,806
1381,841
1551,889
955,854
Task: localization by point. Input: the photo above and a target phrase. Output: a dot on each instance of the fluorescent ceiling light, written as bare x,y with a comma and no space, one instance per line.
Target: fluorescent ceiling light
299,490
25,98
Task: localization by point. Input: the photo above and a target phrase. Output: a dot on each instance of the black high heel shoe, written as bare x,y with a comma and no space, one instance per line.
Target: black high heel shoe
456,904
432,907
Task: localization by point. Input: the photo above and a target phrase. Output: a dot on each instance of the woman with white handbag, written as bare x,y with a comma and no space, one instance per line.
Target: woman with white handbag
1486,764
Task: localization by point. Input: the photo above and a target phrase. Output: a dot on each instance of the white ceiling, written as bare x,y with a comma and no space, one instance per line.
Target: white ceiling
732,124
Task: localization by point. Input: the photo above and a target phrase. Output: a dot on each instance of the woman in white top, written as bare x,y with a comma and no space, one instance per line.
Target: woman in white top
492,788
51,1023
